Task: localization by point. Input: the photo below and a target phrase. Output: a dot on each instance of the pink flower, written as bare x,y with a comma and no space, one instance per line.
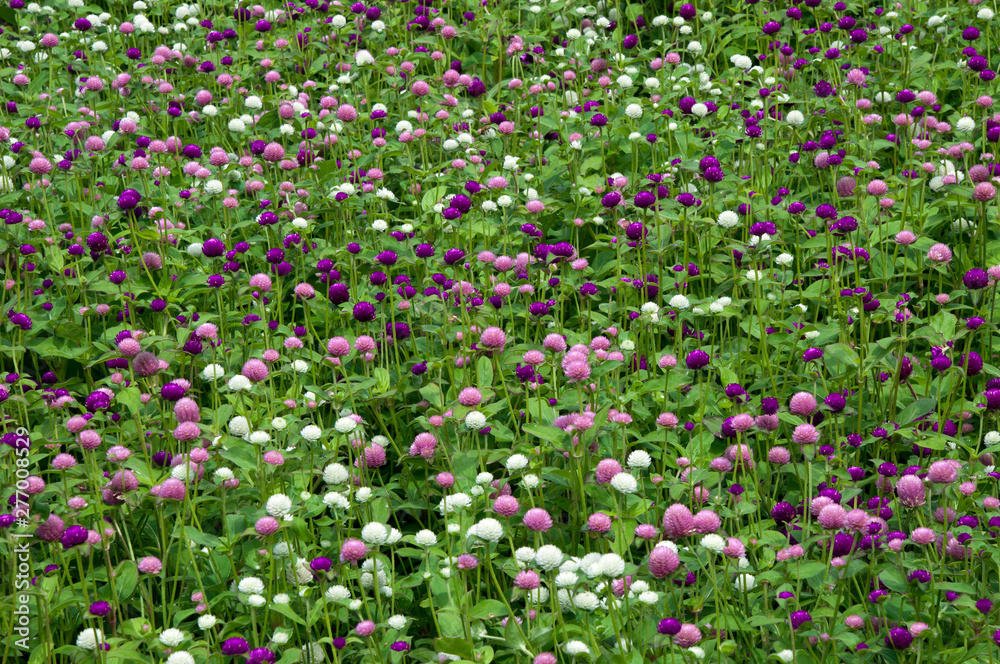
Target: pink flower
663,560
910,490
939,253
802,403
944,471
507,506
805,434
678,522
537,519
527,580
606,469
832,517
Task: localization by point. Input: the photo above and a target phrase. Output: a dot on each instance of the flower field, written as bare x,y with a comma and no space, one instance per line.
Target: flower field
499,331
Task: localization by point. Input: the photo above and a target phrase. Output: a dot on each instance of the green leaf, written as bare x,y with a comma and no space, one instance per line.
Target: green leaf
8,15
485,368
131,398
454,646
288,612
204,539
916,410
841,359
551,434
126,579
893,579
241,456
488,608
382,380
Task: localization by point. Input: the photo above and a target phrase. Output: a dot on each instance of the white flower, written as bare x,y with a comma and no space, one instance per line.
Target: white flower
785,655
992,437
363,494
484,478
278,505
345,425
253,102
784,259
745,582
516,462
454,502
171,637
335,473
206,621
510,163
812,334
612,565
566,579
475,420
627,345
548,557
88,639
251,585
223,475
586,601
728,219
212,372
699,110
649,597
679,302
259,437
488,529
694,47
795,118
238,426
337,593
624,483
311,432
180,657
256,601
375,533
741,62
239,382
213,187
965,124
397,621
574,648
300,366
425,538
334,499
713,542
985,14
754,275
531,481
524,554
237,126
699,653
639,459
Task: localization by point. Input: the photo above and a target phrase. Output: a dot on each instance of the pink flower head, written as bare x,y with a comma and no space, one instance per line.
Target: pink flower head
805,434
802,403
944,471
832,517
939,253
910,490
606,469
678,522
255,370
537,519
150,565
353,550
663,560
507,506
493,338
599,522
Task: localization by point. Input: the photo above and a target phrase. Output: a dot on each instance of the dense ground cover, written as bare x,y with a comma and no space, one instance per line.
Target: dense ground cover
499,332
